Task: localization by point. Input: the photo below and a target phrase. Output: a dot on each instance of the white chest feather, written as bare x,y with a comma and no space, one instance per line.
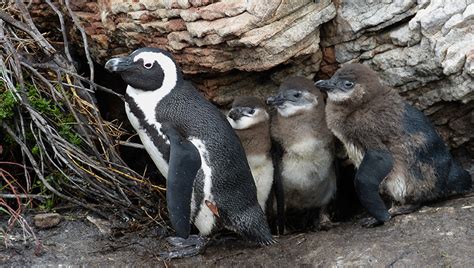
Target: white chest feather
150,147
396,186
305,158
262,172
205,219
307,173
354,153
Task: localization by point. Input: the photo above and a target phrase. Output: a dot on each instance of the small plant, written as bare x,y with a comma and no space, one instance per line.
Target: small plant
7,103
55,112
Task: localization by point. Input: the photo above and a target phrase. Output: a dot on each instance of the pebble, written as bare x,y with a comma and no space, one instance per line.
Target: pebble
47,220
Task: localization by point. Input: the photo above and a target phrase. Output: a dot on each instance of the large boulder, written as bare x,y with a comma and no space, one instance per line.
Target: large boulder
423,48
208,36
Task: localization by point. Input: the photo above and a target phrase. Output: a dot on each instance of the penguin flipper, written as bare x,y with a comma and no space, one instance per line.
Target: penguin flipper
184,163
373,169
277,154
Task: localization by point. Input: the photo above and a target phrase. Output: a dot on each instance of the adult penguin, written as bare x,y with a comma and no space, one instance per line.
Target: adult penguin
193,146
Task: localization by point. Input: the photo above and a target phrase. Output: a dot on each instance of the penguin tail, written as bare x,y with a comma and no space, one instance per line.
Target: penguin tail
252,225
459,180
268,242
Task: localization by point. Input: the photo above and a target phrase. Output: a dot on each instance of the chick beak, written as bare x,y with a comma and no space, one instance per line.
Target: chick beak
325,85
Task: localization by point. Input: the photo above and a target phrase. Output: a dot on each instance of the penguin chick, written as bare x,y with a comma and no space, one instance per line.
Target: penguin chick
193,146
393,145
307,158
251,121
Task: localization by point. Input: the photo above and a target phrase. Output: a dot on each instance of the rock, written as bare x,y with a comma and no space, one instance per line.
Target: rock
423,48
207,36
47,220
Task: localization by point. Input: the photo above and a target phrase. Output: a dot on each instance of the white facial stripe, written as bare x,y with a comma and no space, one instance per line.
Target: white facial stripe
245,122
289,109
167,65
148,100
242,123
339,96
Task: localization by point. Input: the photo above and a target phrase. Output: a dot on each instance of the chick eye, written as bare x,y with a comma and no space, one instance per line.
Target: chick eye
148,65
297,94
348,84
252,111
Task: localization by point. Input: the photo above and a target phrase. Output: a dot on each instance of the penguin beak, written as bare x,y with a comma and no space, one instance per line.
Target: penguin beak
325,85
118,64
235,114
276,100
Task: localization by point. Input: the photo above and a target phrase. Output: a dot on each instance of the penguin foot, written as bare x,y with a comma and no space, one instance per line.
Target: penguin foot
327,225
324,222
182,248
400,210
370,222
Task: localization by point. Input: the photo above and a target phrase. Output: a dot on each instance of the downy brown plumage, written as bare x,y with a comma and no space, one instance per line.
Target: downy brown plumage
394,146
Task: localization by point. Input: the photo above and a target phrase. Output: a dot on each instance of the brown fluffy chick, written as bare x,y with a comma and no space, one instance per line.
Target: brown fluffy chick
306,160
396,150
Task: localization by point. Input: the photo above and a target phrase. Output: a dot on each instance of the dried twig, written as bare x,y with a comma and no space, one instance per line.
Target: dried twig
86,169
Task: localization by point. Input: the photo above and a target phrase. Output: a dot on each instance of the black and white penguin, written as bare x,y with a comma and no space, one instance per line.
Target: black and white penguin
306,154
396,150
175,122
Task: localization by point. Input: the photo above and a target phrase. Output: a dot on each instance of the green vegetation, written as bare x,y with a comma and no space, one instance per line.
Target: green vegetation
55,114
53,111
47,107
7,103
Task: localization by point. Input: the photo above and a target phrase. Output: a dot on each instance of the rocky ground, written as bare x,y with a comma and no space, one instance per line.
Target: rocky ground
439,234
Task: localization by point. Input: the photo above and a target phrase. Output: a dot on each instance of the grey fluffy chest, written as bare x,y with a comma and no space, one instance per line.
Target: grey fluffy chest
308,174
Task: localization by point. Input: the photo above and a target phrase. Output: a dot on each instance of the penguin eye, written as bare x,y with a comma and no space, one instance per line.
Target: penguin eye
148,65
252,111
297,94
348,84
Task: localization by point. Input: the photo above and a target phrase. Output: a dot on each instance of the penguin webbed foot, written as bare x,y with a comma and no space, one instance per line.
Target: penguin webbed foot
324,222
327,225
185,247
400,210
370,222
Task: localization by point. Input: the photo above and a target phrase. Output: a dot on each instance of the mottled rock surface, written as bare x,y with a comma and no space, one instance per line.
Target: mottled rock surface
209,36
424,48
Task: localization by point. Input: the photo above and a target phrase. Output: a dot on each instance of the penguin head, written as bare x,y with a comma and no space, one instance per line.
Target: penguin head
352,84
297,96
247,112
147,69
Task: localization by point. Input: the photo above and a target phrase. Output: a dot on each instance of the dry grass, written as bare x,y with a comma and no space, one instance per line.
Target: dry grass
55,125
